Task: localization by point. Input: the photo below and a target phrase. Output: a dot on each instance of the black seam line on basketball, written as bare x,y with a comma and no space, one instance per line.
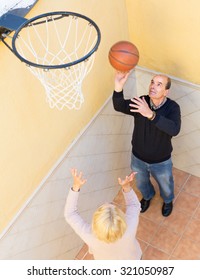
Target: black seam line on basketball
124,52
128,64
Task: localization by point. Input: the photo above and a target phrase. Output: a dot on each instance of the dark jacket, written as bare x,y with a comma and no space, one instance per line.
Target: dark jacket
151,140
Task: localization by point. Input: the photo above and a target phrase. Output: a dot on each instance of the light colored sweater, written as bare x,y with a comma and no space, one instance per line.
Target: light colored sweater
126,248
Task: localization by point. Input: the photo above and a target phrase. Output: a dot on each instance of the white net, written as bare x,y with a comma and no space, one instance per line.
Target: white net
56,42
63,86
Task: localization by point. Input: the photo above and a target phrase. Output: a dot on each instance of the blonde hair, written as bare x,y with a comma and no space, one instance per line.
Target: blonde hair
108,223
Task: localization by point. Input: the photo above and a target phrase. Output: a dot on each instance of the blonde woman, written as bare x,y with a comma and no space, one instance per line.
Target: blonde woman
112,233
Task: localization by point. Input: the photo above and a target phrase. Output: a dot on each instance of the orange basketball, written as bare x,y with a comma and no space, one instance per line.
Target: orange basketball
123,56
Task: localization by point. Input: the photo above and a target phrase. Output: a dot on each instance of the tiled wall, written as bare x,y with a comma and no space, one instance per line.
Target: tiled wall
102,152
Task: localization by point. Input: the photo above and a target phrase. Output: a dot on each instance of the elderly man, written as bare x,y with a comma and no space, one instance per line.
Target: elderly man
157,119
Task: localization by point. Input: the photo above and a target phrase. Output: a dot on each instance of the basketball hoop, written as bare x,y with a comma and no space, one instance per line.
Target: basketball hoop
59,49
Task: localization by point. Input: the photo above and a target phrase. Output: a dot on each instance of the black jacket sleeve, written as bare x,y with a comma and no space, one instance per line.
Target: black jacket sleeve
120,104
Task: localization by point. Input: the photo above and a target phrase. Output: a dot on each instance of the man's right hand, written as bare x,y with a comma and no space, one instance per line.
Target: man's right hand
120,80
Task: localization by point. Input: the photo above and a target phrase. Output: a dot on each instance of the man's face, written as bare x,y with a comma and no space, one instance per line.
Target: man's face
157,87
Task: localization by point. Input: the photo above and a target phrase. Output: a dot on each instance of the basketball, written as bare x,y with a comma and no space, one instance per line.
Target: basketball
123,56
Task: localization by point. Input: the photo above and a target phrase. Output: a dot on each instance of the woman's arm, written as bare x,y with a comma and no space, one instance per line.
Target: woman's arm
133,206
70,212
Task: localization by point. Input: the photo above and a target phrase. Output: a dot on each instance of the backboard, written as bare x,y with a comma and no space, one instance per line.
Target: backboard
15,7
